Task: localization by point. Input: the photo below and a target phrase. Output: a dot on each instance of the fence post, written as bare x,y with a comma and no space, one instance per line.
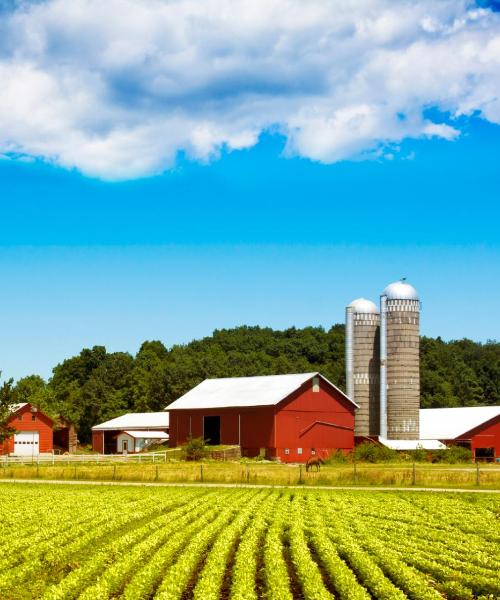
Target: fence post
201,472
248,473
478,480
414,475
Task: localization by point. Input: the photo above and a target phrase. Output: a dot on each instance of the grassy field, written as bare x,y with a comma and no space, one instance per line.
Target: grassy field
244,544
398,474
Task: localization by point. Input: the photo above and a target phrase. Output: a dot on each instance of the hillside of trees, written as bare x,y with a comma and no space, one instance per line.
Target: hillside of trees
98,385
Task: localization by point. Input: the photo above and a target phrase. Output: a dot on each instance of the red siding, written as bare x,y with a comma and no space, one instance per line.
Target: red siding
42,424
486,435
252,428
314,421
98,441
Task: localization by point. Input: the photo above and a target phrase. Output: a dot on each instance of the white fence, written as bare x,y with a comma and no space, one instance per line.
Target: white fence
57,459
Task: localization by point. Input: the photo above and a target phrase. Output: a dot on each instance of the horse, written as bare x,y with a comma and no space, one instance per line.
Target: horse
314,461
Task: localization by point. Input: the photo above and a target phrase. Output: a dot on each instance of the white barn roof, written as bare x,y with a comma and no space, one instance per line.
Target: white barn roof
151,420
265,390
450,423
412,444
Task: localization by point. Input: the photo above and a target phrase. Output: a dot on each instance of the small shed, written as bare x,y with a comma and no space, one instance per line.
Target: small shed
474,427
33,434
285,417
130,433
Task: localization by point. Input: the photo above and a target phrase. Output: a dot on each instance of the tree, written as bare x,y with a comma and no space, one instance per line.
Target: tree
7,407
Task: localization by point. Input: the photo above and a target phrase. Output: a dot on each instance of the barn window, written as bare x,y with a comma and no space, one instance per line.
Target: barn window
287,450
33,417
299,450
315,384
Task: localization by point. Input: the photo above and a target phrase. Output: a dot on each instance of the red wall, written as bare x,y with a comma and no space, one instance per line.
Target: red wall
252,428
97,441
486,435
42,424
317,422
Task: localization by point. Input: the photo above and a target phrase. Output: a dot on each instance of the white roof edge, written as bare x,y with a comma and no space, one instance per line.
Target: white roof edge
135,421
145,433
412,444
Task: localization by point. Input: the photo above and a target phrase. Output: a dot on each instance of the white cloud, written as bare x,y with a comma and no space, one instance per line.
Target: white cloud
116,89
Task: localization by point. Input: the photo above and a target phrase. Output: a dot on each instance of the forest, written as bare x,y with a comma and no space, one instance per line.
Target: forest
97,385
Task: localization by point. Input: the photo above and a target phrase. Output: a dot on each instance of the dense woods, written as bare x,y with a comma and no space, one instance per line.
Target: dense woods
97,385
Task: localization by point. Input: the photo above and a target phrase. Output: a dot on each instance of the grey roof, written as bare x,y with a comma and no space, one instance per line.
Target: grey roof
450,423
265,390
151,420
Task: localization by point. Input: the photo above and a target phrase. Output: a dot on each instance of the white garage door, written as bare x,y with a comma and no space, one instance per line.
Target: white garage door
26,443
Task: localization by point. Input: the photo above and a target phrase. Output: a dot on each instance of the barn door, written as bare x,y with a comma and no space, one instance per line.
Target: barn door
26,443
211,430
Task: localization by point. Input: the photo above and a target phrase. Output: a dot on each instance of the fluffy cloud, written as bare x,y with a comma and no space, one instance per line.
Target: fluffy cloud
117,89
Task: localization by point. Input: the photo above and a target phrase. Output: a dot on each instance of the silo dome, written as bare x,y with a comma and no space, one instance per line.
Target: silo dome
400,290
362,305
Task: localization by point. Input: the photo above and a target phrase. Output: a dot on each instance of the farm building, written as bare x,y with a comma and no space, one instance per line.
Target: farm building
476,427
287,417
130,433
34,432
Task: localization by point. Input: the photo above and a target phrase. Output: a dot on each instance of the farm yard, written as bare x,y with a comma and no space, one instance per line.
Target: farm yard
63,541
485,476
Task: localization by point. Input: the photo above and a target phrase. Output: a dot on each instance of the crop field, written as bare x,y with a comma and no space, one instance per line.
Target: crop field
88,542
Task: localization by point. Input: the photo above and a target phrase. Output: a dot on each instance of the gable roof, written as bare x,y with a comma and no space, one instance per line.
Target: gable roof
450,423
17,407
232,392
151,420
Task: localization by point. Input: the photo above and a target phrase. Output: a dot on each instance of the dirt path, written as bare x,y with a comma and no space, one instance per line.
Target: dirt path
243,485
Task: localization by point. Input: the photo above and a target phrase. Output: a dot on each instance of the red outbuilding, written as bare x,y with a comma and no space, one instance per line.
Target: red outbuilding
474,427
285,417
34,432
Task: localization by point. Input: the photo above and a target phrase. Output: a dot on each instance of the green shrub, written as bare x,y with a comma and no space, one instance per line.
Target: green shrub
454,454
373,453
336,457
419,455
194,449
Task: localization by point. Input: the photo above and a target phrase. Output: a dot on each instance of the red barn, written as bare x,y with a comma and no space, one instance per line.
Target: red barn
475,427
34,434
289,417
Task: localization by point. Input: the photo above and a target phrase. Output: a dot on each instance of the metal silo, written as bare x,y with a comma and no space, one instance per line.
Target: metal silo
399,362
362,364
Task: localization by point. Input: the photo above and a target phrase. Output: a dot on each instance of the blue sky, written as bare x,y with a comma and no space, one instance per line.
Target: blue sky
257,199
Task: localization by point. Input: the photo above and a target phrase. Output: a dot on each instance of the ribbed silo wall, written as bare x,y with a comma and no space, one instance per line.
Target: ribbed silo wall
403,369
366,366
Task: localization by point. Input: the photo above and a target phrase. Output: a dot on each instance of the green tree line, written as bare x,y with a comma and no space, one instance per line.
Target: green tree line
98,385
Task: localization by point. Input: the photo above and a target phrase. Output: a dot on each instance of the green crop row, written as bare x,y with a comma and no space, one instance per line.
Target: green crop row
96,543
